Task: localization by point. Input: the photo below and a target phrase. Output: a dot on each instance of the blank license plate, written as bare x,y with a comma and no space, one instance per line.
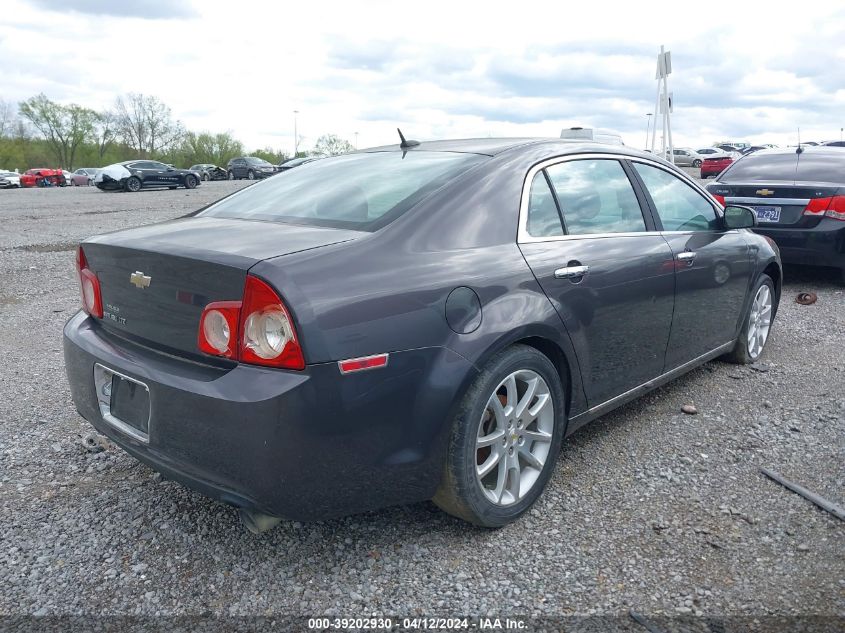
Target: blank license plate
130,403
767,214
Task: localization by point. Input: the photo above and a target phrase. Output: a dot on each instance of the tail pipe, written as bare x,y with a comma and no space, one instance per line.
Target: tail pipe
257,522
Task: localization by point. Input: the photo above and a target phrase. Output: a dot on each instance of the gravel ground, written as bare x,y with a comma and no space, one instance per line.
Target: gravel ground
649,509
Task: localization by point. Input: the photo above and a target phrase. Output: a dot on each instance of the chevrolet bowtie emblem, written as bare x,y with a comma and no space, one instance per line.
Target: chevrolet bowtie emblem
764,192
140,280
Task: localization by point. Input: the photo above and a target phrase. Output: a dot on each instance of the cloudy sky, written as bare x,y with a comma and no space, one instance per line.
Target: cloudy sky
439,69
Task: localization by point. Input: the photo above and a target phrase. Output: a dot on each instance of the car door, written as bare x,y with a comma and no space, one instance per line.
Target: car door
604,268
145,170
240,168
712,265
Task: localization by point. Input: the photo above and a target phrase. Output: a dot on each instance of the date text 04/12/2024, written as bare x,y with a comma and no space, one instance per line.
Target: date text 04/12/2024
417,624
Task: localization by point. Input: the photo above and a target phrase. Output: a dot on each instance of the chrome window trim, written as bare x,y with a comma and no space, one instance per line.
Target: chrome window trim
523,237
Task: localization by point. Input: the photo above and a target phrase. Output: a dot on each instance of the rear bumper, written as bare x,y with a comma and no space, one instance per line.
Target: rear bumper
303,445
822,245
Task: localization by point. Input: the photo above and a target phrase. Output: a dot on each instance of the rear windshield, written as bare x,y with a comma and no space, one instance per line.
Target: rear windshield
356,191
822,167
257,161
763,167
808,166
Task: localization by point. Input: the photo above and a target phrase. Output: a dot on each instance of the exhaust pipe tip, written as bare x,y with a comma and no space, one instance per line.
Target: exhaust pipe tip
257,522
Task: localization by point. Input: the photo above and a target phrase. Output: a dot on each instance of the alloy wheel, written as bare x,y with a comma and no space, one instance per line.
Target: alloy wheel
759,321
514,437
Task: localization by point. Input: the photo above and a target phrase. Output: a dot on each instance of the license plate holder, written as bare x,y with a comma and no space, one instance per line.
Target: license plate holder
124,402
767,214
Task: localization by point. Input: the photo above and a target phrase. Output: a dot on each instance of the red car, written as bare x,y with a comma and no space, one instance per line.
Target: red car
714,166
42,177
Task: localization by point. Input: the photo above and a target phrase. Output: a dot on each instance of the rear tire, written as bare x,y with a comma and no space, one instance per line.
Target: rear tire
696,163
231,175
757,324
517,449
190,181
133,184
250,175
205,177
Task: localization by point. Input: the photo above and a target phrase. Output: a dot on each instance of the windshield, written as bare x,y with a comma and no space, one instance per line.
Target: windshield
357,191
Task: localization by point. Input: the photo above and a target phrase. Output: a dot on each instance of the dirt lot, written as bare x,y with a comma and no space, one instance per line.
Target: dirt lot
649,509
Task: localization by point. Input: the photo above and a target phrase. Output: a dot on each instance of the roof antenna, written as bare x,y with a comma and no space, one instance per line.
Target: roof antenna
800,149
405,144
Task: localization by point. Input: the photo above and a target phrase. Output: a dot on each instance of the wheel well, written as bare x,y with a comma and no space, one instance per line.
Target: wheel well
773,271
553,352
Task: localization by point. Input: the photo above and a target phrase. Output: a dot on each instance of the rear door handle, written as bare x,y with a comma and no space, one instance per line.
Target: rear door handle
571,271
686,256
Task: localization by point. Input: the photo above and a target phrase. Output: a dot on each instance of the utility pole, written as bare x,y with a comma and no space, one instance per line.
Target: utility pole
663,104
295,135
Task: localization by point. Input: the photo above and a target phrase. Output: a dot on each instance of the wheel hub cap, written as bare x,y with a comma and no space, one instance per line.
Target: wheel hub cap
514,437
759,321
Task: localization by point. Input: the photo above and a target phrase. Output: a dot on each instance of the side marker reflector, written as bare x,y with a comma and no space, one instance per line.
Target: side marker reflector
360,364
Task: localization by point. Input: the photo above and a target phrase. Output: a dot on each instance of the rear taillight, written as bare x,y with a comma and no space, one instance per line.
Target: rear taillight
89,286
258,330
267,333
719,199
833,207
218,333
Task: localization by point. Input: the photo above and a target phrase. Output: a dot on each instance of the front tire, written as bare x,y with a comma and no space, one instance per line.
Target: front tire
231,175
190,181
757,325
133,184
205,177
250,175
505,439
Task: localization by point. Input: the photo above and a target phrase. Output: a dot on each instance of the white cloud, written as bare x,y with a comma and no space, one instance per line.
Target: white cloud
438,68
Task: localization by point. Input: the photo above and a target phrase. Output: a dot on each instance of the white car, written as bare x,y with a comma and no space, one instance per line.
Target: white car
12,178
715,152
685,157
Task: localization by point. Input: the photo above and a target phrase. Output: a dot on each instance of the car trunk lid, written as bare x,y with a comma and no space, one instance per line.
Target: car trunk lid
156,280
776,203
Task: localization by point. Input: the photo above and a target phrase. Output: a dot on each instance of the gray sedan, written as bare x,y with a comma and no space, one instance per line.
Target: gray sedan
421,321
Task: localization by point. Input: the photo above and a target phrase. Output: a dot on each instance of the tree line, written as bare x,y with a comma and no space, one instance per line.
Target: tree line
40,132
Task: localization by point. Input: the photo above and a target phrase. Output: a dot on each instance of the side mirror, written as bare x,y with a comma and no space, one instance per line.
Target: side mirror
170,169
739,217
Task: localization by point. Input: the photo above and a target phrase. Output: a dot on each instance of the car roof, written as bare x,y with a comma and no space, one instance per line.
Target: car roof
495,146
805,149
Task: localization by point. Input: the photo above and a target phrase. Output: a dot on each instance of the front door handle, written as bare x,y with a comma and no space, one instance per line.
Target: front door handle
571,271
686,256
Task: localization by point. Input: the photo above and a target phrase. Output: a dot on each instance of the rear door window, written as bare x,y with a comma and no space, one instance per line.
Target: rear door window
680,207
543,217
595,196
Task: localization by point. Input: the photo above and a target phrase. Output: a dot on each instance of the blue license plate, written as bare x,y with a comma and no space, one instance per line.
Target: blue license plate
767,214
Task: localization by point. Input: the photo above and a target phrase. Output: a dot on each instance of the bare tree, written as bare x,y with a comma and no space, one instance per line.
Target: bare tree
146,124
105,131
7,118
332,145
64,128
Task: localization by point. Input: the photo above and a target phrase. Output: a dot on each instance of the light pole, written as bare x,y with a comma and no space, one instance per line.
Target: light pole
356,140
647,125
295,135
